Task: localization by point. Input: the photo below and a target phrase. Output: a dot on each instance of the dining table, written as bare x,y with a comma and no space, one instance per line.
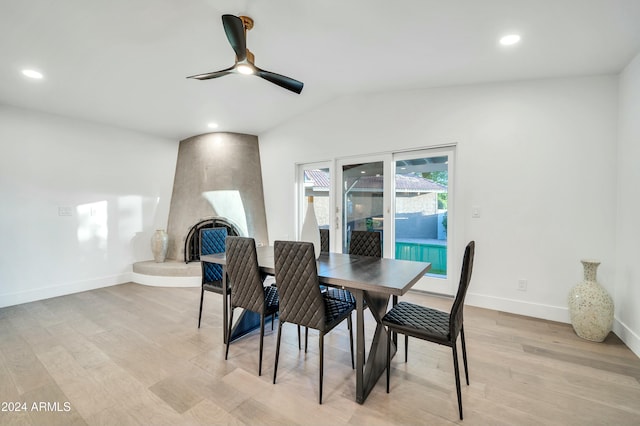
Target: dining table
371,280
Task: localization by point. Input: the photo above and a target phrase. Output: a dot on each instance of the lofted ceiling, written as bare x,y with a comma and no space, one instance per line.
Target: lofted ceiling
124,62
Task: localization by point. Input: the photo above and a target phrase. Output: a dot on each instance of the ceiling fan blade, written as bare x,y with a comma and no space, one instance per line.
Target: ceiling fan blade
210,75
234,29
281,80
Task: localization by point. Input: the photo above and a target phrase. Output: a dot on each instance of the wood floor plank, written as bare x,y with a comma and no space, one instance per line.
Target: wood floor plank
132,354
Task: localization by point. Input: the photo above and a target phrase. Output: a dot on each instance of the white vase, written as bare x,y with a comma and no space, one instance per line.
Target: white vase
159,245
590,306
310,231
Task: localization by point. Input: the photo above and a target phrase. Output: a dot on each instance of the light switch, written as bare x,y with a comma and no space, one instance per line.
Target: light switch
475,212
65,211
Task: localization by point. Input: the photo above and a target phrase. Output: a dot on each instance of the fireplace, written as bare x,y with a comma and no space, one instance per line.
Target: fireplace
218,182
192,241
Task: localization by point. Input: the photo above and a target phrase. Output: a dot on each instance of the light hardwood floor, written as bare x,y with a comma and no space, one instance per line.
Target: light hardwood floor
132,354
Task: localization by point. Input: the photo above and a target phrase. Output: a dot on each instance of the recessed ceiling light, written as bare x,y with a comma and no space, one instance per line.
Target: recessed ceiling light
32,74
510,39
212,125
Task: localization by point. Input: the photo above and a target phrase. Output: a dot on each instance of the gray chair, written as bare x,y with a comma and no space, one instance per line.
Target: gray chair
248,289
434,325
365,243
324,240
362,243
212,240
301,301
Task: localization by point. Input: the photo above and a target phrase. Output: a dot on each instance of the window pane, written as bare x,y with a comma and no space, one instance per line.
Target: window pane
421,211
363,199
317,183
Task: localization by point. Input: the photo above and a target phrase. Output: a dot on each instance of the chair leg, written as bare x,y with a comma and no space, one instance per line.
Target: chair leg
353,365
388,357
261,344
457,373
321,363
299,339
273,320
226,354
406,348
464,355
306,338
201,299
275,367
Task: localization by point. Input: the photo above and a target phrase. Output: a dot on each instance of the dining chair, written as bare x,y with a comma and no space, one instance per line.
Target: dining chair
212,240
249,292
324,240
434,325
362,243
365,243
302,302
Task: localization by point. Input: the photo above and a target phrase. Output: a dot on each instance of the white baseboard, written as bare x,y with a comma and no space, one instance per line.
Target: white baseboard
548,312
41,293
165,281
631,339
537,310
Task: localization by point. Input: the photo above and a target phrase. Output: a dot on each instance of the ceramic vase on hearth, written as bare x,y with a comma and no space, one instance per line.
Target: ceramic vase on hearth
159,245
310,231
590,306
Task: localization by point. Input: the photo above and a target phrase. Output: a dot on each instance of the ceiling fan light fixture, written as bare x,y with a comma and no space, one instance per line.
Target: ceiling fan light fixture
245,69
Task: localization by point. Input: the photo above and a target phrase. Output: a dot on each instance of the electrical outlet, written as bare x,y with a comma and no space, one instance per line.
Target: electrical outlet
522,285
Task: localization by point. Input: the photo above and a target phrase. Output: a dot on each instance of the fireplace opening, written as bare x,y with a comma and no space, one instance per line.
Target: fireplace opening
192,241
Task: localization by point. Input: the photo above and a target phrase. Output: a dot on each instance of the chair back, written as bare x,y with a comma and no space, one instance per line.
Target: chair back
455,317
365,243
324,240
297,276
212,241
244,274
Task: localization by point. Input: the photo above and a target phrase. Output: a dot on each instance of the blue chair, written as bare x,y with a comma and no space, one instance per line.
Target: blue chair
212,240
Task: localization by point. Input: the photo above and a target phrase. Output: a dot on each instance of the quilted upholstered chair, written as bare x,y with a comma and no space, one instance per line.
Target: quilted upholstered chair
301,301
249,292
434,325
212,240
363,243
324,240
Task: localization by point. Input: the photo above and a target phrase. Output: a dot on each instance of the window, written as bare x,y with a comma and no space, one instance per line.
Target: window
406,196
421,210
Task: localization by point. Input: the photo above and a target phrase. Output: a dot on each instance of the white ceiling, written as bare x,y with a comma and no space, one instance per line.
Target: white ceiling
124,62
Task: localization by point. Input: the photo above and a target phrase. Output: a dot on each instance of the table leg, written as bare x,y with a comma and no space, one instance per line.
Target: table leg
369,371
359,295
225,304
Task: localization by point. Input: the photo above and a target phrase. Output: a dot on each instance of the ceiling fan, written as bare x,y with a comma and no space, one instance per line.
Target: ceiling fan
236,28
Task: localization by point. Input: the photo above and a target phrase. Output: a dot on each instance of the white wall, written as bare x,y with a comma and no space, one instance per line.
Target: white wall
538,157
116,183
627,298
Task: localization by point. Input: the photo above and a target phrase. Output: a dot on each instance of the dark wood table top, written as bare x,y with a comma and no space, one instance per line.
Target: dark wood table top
381,275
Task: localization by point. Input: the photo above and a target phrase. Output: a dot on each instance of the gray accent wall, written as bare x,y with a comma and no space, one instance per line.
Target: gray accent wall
217,175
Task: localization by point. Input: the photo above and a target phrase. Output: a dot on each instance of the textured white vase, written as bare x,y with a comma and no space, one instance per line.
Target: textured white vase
159,245
590,306
310,231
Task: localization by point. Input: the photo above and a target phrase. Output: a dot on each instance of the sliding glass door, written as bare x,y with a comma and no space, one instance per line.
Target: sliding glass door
363,198
406,197
315,181
421,213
